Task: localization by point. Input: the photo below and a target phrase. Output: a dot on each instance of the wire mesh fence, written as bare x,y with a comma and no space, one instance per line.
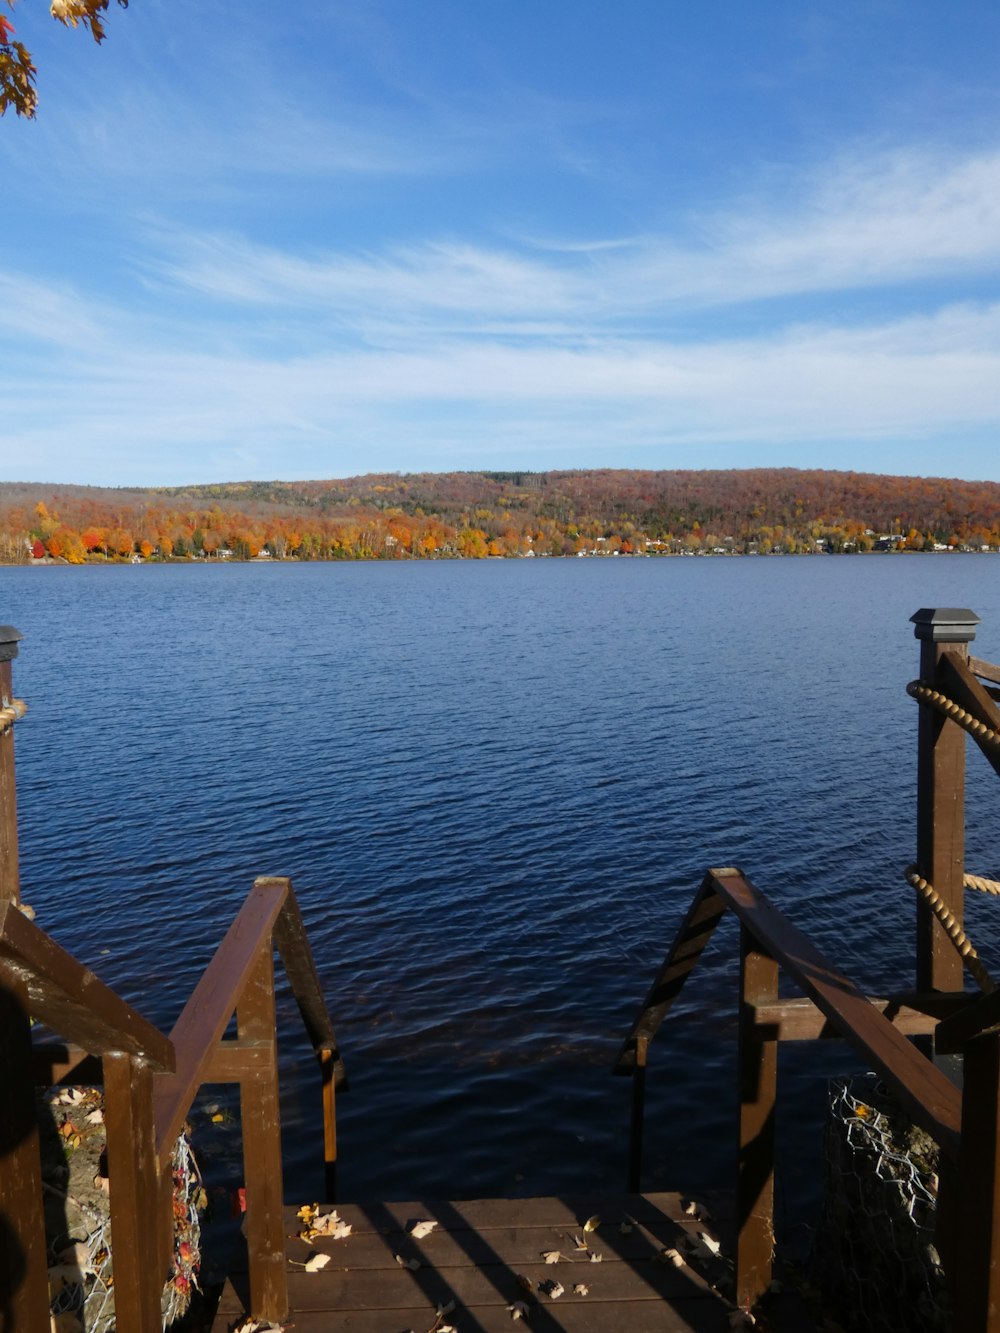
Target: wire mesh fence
874,1254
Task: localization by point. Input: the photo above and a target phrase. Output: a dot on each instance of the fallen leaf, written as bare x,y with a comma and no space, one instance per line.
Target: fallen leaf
102,1183
444,1309
672,1257
95,1118
218,1118
525,1283
551,1256
411,1264
554,1290
596,1258
519,1310
741,1319
709,1243
626,1228
581,1289
421,1229
592,1223
315,1262
579,1243
307,1212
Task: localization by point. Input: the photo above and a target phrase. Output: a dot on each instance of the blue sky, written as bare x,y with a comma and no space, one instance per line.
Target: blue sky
326,238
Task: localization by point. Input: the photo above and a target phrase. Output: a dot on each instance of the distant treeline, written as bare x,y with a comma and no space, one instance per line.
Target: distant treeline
431,515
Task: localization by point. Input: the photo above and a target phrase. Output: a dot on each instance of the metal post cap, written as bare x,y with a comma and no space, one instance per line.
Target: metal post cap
9,638
945,624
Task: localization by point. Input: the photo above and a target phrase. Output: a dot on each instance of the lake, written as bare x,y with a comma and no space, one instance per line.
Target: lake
496,786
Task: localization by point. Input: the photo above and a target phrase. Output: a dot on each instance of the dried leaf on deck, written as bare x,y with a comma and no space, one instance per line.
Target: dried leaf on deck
592,1223
554,1290
581,1289
596,1258
411,1264
525,1283
421,1229
315,1262
671,1256
709,1243
102,1183
626,1228
551,1256
579,1243
519,1310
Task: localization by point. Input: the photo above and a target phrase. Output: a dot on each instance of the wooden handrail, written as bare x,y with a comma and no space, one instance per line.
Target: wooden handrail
832,1004
207,1014
71,1000
987,670
931,1099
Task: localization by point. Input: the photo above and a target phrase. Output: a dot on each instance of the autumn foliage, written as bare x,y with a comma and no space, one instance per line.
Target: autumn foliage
482,514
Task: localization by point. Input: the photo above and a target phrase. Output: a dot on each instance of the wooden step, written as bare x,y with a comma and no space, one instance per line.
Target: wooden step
480,1250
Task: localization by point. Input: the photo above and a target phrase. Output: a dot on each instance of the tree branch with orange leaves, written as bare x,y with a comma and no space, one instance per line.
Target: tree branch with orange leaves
17,70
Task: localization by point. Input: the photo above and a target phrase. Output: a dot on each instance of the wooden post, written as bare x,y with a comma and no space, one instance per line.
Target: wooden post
10,887
758,1073
327,1065
940,799
136,1196
638,1114
261,1117
976,1283
24,1284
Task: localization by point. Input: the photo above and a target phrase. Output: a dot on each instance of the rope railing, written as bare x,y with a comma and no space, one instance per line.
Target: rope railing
950,925
11,713
979,731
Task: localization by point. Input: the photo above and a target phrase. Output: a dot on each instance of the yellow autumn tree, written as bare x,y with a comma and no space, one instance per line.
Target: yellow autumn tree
17,70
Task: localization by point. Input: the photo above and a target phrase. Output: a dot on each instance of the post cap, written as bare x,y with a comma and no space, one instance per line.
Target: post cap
945,624
9,638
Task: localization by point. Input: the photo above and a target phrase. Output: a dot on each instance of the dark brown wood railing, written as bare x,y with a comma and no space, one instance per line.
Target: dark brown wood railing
939,1013
150,1081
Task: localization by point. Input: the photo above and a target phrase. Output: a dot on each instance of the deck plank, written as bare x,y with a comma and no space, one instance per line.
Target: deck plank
476,1255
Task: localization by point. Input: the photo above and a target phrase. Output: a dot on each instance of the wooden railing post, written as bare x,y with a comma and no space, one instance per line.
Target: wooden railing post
758,1070
976,1280
940,799
136,1194
9,878
261,1117
24,1283
638,1114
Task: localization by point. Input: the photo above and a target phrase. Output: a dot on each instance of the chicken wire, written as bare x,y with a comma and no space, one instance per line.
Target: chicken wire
874,1253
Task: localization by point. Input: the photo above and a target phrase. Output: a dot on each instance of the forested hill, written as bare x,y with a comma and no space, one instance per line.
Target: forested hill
427,514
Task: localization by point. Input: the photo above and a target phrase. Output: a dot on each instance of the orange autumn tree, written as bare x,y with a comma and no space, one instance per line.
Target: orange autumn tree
17,70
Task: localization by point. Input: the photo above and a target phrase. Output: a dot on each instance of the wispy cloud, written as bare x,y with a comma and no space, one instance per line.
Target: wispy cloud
862,225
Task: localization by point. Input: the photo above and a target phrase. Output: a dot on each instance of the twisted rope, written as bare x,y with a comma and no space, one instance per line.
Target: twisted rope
951,927
12,713
935,699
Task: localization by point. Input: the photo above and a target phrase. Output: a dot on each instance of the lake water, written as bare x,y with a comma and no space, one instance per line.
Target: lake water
497,786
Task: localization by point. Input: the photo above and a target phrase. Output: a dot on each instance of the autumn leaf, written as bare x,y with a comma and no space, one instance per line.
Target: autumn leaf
554,1290
581,1289
421,1229
709,1243
626,1228
671,1256
411,1264
551,1256
592,1223
6,31
596,1258
519,1310
315,1262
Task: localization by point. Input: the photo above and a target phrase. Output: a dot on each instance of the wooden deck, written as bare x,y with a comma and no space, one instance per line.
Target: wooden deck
485,1254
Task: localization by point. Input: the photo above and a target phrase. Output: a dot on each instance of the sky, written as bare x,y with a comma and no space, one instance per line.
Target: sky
335,237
